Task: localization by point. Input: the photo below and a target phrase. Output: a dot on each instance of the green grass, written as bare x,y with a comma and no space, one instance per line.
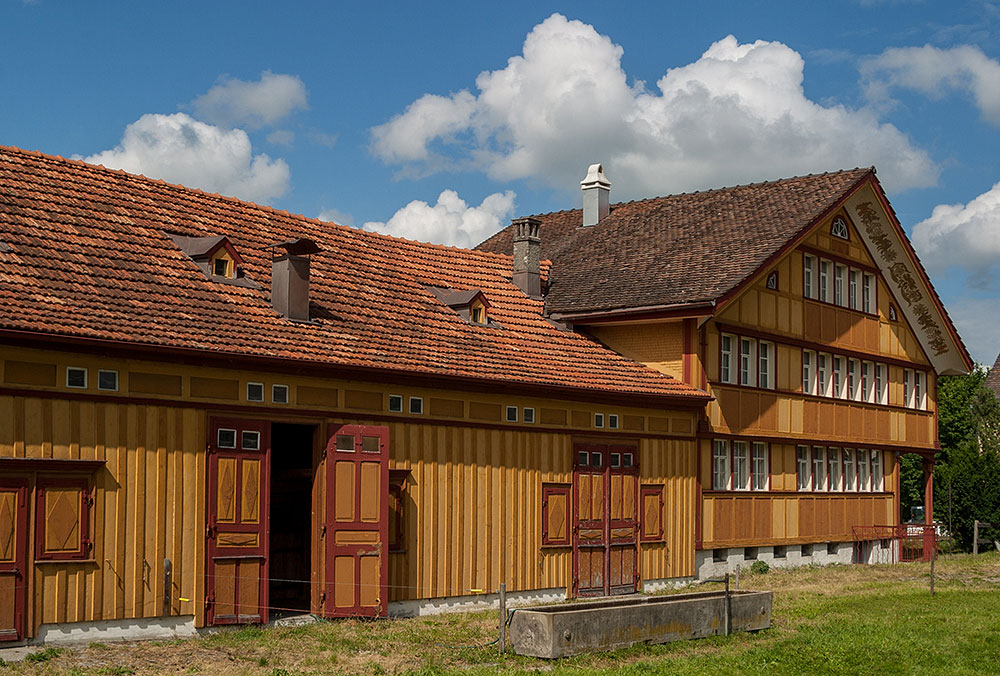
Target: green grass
834,620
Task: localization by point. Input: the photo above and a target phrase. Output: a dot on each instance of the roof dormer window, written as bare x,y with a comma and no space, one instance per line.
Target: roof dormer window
471,304
216,257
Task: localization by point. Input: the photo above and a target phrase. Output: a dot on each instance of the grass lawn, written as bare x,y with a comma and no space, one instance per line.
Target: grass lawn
833,620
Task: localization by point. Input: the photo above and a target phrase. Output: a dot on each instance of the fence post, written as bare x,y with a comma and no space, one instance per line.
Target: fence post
736,581
503,618
729,608
975,537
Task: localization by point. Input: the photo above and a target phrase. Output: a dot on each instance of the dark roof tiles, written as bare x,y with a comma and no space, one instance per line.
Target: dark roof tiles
685,248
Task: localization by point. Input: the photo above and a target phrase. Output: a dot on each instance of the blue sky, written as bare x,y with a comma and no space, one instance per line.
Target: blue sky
441,121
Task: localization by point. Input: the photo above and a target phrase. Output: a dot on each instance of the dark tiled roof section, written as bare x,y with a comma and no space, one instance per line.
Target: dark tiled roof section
679,249
993,378
91,259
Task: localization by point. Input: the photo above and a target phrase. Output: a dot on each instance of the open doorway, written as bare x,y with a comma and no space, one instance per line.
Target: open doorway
291,518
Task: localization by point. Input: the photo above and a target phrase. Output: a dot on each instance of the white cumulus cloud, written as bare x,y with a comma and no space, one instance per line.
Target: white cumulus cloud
234,102
965,235
451,221
739,113
935,73
978,323
179,149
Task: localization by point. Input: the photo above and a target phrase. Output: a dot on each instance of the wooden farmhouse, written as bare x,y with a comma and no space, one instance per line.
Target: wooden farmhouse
213,412
802,308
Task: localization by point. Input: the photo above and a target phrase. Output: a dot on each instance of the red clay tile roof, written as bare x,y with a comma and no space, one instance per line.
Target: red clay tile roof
680,249
91,259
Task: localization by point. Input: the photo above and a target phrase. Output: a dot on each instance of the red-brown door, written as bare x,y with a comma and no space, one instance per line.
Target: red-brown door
605,527
357,521
13,552
238,471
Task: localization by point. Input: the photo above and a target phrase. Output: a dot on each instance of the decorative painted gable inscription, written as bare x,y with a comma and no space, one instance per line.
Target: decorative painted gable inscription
902,275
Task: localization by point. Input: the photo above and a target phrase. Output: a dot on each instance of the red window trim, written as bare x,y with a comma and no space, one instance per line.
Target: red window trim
86,501
644,490
549,489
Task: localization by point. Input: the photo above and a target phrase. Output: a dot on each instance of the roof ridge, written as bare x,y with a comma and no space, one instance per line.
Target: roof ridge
710,191
248,203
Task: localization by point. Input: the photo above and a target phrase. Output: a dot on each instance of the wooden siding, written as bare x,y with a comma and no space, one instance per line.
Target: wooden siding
659,346
494,478
148,506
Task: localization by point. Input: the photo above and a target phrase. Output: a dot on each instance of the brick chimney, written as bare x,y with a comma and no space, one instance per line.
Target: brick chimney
290,278
596,195
527,252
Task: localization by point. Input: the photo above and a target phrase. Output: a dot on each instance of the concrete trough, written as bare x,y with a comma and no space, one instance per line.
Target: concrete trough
609,624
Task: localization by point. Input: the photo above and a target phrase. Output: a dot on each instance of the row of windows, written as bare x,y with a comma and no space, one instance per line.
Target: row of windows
839,469
77,377
746,361
740,466
833,375
830,282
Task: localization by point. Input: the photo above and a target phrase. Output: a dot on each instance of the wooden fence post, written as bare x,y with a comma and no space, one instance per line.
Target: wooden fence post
975,537
503,617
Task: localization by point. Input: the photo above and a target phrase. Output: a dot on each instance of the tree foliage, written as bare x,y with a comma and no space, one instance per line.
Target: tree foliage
967,474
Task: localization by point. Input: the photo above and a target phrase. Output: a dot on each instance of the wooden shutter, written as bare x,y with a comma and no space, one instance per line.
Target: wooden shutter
62,519
556,515
651,506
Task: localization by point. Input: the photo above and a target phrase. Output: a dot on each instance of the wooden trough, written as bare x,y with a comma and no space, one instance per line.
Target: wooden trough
570,629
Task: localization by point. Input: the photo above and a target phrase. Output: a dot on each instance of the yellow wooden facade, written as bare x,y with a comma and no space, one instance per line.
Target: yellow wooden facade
772,308
472,498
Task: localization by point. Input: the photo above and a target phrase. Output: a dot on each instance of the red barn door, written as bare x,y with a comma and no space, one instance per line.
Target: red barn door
357,521
605,528
238,471
13,572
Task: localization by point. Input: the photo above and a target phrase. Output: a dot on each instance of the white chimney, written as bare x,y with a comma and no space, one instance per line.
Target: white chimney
596,195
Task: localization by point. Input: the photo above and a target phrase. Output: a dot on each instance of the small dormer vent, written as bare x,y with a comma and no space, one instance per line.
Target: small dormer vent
290,278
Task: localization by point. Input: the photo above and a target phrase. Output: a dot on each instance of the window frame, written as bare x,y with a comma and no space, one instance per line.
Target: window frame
528,419
834,459
118,381
808,276
765,378
824,280
255,384
726,370
78,370
416,406
819,468
742,475
721,450
393,399
803,468
275,387
747,368
511,410
809,372
755,475
877,471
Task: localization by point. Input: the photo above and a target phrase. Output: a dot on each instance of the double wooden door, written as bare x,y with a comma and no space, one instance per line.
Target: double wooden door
13,553
605,524
352,531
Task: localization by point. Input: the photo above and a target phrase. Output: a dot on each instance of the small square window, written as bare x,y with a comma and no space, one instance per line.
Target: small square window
512,414
416,405
250,440
749,553
370,444
719,555
76,377
345,443
395,403
598,420
279,394
255,391
107,380
596,460
779,551
220,267
613,421
529,415
226,438
627,460
582,458
616,459
807,550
